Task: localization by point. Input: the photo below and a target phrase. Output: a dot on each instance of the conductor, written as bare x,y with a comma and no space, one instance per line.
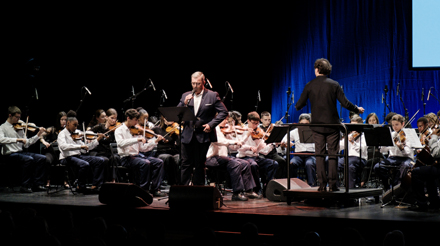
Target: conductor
323,92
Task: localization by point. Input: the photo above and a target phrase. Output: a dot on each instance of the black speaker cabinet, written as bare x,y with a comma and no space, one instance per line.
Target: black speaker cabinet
275,187
195,197
124,194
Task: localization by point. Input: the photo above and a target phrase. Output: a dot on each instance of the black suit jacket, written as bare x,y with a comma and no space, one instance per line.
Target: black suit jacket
209,106
323,94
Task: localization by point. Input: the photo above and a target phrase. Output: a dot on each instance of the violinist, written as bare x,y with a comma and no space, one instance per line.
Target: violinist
49,140
357,154
234,132
239,170
250,150
433,120
150,169
267,126
73,153
13,143
308,161
424,130
426,176
98,117
167,149
145,117
401,155
108,129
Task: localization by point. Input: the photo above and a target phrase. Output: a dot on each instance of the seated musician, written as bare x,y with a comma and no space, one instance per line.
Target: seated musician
424,130
13,144
49,140
98,117
401,155
73,152
167,149
307,161
425,176
253,145
239,169
357,154
433,120
374,155
130,146
267,126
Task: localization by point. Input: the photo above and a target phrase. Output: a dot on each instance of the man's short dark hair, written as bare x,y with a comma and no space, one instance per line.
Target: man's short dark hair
132,113
423,119
12,110
323,65
253,116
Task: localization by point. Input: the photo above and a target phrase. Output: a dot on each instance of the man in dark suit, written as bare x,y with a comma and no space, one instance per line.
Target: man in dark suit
323,93
197,135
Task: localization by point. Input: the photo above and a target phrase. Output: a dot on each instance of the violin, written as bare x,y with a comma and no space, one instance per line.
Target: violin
400,138
21,125
355,136
258,133
137,130
112,128
173,128
77,135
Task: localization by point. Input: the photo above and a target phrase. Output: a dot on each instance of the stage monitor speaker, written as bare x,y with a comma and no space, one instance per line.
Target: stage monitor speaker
275,188
195,197
124,194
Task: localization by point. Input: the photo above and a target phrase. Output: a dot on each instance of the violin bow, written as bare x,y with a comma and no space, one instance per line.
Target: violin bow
25,129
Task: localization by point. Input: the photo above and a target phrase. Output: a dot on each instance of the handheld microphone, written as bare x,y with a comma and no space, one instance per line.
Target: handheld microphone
207,80
429,93
193,92
152,85
87,90
229,85
165,95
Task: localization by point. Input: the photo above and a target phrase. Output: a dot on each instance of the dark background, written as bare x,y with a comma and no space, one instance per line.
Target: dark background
111,50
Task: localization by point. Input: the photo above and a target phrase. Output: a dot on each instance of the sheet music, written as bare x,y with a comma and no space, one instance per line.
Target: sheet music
412,137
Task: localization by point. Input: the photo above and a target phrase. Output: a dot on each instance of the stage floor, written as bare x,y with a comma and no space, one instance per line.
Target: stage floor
272,218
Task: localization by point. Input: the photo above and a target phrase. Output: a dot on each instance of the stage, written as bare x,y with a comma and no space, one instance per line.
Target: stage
276,221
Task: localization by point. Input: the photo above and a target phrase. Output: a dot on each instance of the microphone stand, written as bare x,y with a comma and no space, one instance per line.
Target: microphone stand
256,106
133,97
423,100
385,103
81,100
435,98
289,98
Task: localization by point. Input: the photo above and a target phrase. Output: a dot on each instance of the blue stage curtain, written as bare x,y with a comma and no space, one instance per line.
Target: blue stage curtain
367,43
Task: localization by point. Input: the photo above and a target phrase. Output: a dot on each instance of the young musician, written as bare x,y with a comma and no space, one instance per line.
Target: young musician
108,128
426,176
357,154
73,153
253,145
401,155
372,119
98,117
308,161
13,141
238,169
433,121
144,116
167,149
49,140
267,126
150,170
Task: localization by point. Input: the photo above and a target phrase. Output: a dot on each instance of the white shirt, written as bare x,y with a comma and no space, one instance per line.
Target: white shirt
9,136
353,148
245,149
395,151
128,145
197,101
69,147
299,147
219,148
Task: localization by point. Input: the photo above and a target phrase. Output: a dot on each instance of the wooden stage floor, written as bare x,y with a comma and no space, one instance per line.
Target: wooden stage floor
276,221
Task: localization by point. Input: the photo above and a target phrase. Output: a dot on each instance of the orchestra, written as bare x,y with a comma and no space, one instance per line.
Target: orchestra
237,145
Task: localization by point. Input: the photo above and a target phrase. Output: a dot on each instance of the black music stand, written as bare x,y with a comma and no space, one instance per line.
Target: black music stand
305,134
277,134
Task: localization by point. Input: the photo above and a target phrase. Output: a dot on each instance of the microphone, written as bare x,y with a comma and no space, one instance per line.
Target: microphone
386,89
259,97
207,80
429,93
398,89
382,97
164,94
293,96
423,93
193,91
87,90
132,90
229,85
288,91
36,93
151,82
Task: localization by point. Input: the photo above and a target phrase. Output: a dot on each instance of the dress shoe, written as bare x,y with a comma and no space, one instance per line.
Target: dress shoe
322,187
25,190
334,188
158,193
253,195
239,197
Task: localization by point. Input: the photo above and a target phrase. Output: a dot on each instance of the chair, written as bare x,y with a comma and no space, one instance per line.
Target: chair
9,173
115,164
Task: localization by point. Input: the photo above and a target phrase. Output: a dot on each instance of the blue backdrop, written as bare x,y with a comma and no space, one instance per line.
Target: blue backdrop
368,45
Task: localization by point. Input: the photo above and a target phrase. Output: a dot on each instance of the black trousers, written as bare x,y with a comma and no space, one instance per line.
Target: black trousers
332,141
194,156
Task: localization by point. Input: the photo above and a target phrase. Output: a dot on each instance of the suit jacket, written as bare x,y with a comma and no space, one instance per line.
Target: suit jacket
209,106
323,93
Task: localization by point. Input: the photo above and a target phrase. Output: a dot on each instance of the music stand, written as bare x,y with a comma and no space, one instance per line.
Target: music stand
305,134
277,134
